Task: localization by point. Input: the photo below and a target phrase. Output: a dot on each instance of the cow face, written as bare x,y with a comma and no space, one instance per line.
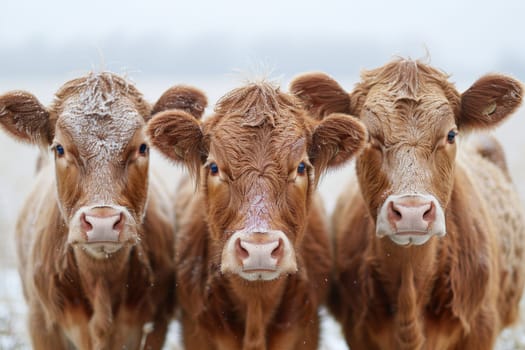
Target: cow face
414,118
258,160
95,130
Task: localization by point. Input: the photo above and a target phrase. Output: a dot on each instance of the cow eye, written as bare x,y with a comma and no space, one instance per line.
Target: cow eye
143,149
59,150
301,168
451,136
214,169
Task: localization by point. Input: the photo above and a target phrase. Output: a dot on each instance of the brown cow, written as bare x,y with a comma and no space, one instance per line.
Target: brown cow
252,248
429,237
95,242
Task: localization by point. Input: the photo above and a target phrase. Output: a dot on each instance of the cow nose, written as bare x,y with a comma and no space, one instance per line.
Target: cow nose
259,255
102,224
411,214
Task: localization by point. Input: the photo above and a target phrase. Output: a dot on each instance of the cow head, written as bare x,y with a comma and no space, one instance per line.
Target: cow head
95,128
257,160
414,118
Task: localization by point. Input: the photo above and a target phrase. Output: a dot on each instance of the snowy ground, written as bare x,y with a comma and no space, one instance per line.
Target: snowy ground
17,167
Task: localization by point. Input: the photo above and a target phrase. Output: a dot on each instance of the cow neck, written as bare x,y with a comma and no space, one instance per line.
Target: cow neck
402,268
107,275
406,275
258,303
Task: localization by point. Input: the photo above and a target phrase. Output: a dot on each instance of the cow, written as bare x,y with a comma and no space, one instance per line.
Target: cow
429,233
253,256
95,237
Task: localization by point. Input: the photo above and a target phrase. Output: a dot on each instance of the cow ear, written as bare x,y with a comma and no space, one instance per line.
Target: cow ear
489,101
178,135
320,94
186,98
24,118
335,140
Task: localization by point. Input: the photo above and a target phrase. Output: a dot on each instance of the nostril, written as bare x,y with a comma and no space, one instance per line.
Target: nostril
393,213
84,224
430,214
278,251
119,223
240,251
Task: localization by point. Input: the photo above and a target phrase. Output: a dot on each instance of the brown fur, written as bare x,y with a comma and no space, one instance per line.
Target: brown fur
185,98
25,118
489,148
73,298
454,292
257,137
320,98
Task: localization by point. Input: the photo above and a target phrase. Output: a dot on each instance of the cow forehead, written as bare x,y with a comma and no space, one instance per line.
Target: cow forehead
99,126
254,129
393,116
239,143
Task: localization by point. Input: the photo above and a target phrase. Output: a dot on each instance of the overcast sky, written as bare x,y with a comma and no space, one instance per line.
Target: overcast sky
448,23
470,34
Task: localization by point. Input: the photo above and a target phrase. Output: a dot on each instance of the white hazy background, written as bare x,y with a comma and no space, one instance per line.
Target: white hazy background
207,43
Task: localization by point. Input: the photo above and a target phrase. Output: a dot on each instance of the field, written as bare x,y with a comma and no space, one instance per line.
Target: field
17,168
